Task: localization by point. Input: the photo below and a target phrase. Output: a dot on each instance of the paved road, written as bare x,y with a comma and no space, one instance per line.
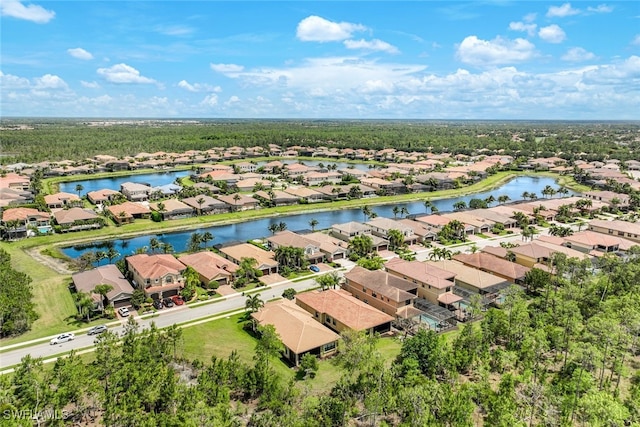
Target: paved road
166,317
184,314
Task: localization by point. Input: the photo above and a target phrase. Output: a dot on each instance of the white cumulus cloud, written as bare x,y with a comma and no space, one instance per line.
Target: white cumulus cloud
226,68
316,29
552,34
123,73
80,53
375,44
529,28
89,85
562,11
9,81
577,54
636,40
198,87
210,100
32,12
475,51
50,81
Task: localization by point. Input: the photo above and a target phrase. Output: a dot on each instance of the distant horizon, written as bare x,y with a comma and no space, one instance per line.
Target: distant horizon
299,60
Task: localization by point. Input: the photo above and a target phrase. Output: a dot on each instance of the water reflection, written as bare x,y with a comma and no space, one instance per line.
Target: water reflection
260,227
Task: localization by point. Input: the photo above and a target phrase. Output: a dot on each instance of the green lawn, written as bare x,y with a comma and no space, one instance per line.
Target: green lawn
220,337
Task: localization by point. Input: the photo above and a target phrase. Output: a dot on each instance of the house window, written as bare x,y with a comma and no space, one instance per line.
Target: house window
364,289
329,347
373,294
448,289
317,314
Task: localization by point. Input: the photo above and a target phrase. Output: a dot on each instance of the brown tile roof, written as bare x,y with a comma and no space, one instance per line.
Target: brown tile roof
497,251
422,272
129,208
493,264
264,258
469,275
346,309
68,216
209,264
86,281
296,328
393,287
60,198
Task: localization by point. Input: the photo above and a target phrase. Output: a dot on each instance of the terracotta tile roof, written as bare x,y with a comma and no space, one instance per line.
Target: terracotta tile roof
155,266
297,329
449,298
264,258
493,264
497,251
60,198
21,214
129,208
393,287
422,272
242,200
346,309
434,220
617,226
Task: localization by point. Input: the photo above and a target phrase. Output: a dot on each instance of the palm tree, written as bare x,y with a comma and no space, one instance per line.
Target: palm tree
200,201
366,212
395,211
490,199
112,254
102,289
79,188
459,205
236,198
313,223
253,303
273,228
503,199
167,248
207,237
525,195
154,244
428,205
195,239
404,211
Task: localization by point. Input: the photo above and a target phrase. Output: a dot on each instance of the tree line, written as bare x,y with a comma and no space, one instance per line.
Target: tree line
75,140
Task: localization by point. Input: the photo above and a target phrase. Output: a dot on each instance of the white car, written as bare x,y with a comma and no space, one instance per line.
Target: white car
62,338
124,311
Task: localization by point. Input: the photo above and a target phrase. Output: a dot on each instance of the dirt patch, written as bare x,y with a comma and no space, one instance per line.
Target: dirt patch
56,265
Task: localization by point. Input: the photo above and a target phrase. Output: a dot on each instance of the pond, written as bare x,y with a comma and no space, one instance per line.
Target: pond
258,228
153,179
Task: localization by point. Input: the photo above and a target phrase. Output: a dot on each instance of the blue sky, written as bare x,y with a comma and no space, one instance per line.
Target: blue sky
308,59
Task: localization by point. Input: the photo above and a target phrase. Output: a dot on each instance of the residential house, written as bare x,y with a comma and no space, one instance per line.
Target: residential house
628,230
159,275
535,254
62,200
473,280
239,202
249,184
612,198
381,227
265,260
288,238
76,219
166,190
297,330
118,296
15,181
172,209
423,231
206,205
100,197
473,224
126,212
384,291
495,217
332,248
276,198
318,178
340,311
135,192
595,243
307,194
211,267
434,284
349,230
511,271
24,222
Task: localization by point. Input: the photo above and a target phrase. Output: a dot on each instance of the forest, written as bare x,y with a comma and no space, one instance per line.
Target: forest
37,140
561,352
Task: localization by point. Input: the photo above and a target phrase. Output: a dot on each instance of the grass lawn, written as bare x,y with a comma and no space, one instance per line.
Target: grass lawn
51,296
220,337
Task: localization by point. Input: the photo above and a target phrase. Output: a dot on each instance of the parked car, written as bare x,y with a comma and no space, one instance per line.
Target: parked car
157,304
168,302
123,311
62,338
97,330
177,300
314,268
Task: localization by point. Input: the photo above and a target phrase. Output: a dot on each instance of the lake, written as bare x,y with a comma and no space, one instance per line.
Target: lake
257,228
